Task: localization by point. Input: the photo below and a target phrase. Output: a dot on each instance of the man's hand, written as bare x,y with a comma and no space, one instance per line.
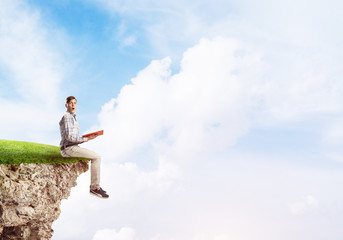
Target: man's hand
91,137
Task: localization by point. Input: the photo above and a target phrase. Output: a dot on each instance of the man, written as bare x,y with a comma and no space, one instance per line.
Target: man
69,128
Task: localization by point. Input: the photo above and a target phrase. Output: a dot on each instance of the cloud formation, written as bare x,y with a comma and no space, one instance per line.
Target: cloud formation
202,108
32,71
222,90
165,122
31,62
264,23
112,234
308,205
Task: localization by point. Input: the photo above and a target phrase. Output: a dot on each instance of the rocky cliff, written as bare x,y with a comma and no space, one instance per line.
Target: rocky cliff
30,197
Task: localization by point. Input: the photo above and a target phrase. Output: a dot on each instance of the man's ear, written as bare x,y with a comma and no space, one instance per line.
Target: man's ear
66,105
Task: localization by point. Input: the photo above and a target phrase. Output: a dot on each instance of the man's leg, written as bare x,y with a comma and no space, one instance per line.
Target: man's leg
76,151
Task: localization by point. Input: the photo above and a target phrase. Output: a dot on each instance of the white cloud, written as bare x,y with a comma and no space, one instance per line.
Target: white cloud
32,71
309,204
202,108
124,36
130,182
128,41
130,188
26,54
112,234
223,90
266,23
216,237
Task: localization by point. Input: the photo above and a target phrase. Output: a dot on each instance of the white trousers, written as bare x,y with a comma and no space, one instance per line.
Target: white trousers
76,151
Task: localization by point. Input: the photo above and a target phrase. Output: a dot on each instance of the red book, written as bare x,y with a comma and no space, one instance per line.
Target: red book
98,133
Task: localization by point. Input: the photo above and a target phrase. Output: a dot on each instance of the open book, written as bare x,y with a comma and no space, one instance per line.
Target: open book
97,133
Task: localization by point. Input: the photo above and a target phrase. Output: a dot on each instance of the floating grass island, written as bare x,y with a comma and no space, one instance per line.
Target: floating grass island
17,152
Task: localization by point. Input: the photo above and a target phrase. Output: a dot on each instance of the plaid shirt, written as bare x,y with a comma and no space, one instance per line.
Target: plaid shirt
69,128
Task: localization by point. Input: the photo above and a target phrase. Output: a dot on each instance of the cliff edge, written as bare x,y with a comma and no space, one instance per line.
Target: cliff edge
30,197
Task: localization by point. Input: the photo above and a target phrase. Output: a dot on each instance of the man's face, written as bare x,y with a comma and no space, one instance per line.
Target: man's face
71,106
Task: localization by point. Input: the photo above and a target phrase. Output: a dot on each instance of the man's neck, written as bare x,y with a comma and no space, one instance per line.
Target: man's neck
72,113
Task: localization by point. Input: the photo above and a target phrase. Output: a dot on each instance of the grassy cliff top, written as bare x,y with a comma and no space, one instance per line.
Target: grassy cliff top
17,152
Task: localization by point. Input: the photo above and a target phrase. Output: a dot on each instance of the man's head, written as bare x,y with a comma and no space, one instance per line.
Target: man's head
71,104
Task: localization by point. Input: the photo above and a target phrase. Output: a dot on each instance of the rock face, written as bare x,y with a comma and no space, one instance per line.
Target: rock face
30,197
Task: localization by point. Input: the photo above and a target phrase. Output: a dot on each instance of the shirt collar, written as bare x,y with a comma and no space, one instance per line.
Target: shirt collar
74,115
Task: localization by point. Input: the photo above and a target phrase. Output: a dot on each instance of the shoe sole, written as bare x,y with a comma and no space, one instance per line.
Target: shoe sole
97,195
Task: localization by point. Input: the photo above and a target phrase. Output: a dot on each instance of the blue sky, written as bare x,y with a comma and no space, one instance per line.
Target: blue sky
222,119
100,62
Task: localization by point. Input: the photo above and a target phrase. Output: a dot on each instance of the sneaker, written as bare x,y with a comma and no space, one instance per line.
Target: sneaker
99,193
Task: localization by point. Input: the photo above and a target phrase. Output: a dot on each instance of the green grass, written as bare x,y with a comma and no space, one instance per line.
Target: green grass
17,152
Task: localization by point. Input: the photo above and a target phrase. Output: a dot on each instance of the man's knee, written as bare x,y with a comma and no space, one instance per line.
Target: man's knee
96,158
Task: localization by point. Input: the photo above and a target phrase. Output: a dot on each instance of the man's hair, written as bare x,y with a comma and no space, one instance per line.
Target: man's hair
70,98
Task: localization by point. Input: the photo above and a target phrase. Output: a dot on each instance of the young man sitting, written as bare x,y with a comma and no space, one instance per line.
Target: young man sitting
69,128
